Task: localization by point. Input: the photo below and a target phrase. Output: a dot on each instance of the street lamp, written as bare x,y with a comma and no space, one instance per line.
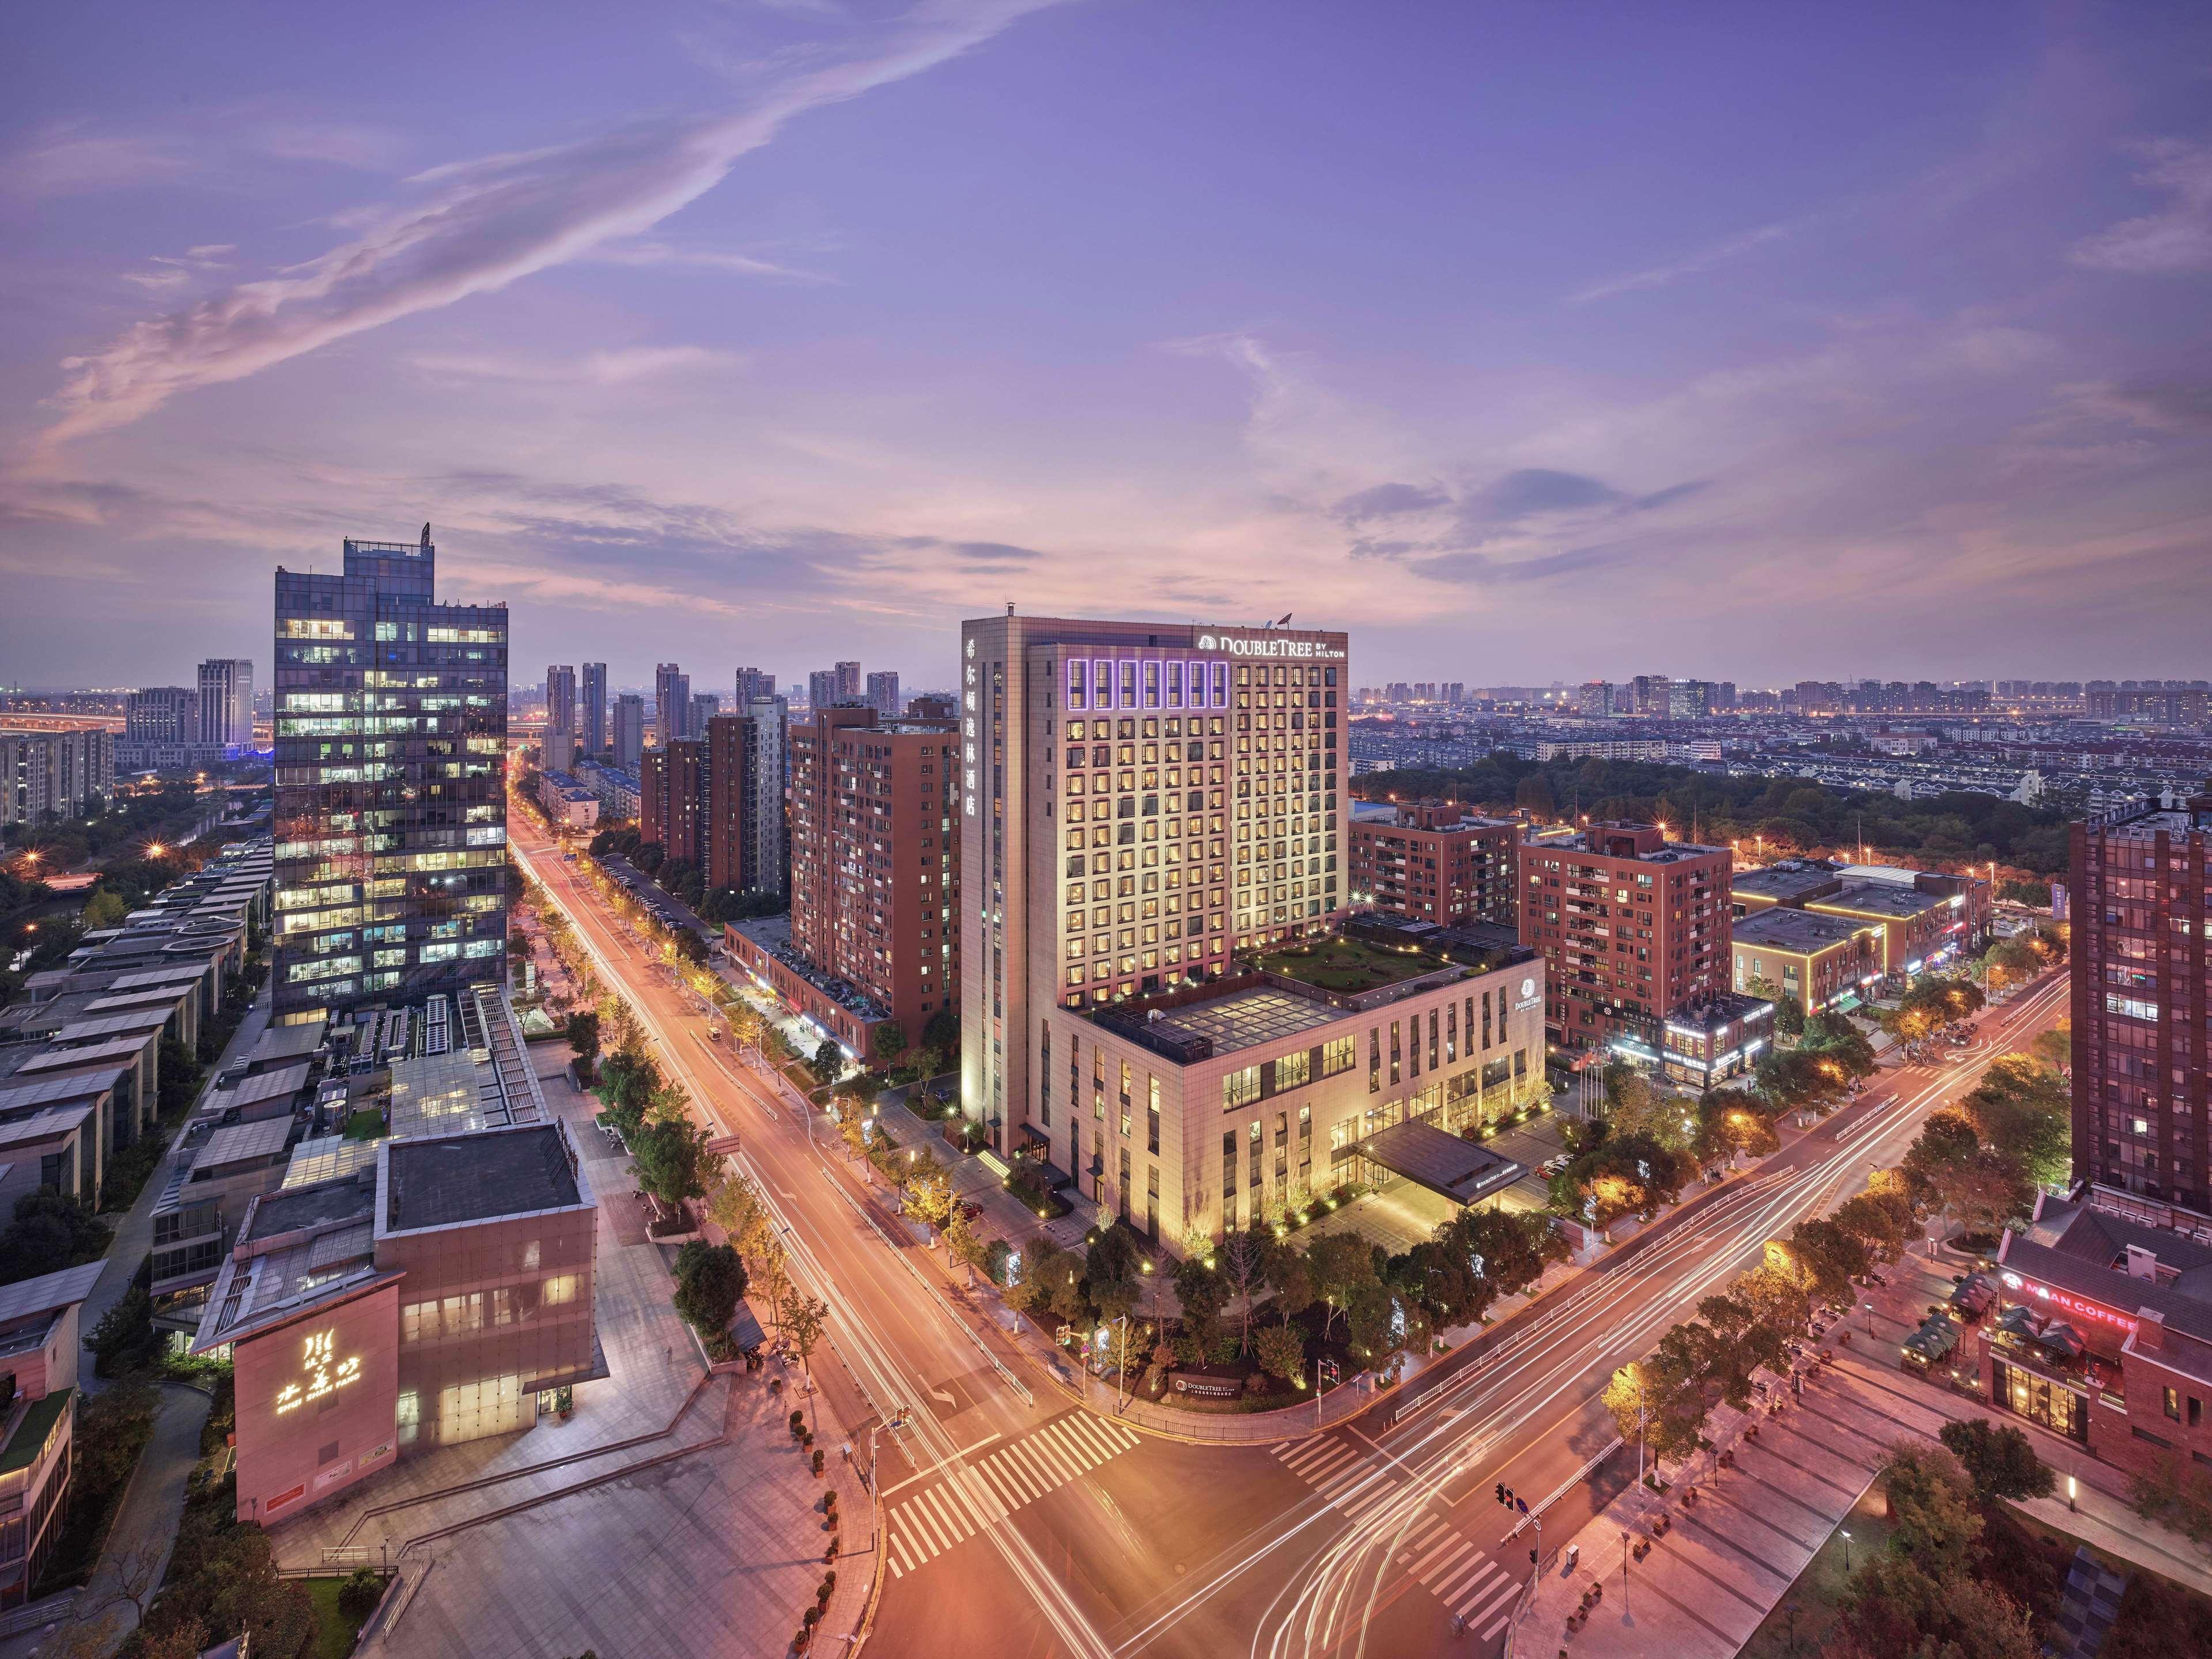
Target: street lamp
1847,1551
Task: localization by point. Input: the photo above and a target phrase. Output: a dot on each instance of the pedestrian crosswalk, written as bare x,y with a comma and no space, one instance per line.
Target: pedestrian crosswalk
1434,1553
1470,1584
985,1491
1336,1469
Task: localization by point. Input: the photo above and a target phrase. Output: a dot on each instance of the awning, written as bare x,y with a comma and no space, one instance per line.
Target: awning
1462,1171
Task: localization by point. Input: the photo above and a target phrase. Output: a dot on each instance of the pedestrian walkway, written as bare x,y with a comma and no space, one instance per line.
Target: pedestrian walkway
1344,1475
980,1494
1472,1587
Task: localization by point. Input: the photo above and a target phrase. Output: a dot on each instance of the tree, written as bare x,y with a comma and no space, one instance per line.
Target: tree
105,910
1636,1105
1243,1257
671,1157
710,1279
2000,1461
1832,1257
1199,1290
942,1030
828,1061
627,1082
1288,1275
1931,1509
804,1321
1834,1037
50,1231
963,1243
927,1190
1370,1316
1339,1262
583,1039
890,1041
2178,1497
1282,1351
1655,1397
124,1334
2023,1109
1881,1221
2055,1047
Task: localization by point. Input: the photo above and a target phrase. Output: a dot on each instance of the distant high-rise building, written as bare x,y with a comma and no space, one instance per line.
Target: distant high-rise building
162,715
56,774
392,875
705,705
1723,696
226,703
628,735
884,693
821,688
1597,699
671,702
560,698
753,684
671,795
1688,699
848,681
593,732
2142,1086
717,800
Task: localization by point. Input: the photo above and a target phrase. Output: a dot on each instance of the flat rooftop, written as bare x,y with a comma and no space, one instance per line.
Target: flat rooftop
475,1178
1798,931
1246,1019
1784,882
1450,1165
1337,962
1886,899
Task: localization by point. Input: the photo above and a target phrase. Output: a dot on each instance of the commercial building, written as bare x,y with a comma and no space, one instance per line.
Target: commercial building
1929,920
1816,961
1222,1104
162,730
46,774
1632,927
671,702
442,1295
391,817
39,1353
628,732
1134,800
884,693
1705,1042
225,703
560,698
2102,1333
591,734
1433,862
2142,1112
874,868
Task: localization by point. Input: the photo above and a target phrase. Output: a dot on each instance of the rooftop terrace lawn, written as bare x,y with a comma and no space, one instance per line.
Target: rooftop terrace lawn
1349,964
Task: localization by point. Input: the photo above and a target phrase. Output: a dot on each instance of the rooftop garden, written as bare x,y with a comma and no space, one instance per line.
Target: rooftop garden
1338,963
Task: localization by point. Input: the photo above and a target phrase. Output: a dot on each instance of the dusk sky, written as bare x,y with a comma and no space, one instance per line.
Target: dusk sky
1524,342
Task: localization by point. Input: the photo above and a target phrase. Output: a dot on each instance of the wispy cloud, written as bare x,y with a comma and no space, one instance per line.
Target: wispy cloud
602,368
2170,243
651,254
171,272
1720,253
72,159
486,224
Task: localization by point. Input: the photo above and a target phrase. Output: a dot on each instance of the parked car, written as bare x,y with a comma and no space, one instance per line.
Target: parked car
1551,1166
970,1210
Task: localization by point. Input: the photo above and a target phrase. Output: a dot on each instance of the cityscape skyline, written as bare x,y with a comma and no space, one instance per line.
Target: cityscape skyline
664,371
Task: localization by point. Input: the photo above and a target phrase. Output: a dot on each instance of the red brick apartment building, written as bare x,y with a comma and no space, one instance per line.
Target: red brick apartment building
2139,880
1431,861
1632,927
874,876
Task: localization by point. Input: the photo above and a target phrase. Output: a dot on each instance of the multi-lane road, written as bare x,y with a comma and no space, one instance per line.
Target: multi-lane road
1016,1523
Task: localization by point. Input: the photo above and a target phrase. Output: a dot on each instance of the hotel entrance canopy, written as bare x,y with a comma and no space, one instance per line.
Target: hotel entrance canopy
1462,1171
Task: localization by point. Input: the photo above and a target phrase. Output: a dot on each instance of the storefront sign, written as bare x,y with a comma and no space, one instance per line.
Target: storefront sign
1270,645
1209,1388
323,1373
2080,1307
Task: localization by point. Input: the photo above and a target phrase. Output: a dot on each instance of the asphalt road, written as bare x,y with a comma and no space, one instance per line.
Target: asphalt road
1020,1526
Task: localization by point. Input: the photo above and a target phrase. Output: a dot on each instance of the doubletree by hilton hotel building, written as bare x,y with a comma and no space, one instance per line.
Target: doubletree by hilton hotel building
1139,804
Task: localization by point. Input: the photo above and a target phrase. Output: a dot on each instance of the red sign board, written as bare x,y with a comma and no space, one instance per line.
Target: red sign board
2080,1307
290,1495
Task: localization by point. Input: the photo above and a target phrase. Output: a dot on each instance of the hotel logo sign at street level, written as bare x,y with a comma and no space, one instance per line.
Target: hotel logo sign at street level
1271,646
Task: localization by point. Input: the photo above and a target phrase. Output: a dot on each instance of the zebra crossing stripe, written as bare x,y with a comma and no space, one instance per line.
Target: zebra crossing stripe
1466,1577
1491,1601
1443,1559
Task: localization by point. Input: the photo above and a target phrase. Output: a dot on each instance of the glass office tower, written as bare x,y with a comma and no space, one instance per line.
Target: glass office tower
391,783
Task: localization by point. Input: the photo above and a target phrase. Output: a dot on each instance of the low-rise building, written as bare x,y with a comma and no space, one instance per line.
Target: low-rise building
2102,1333
1815,960
1928,919
1220,1104
39,1351
569,802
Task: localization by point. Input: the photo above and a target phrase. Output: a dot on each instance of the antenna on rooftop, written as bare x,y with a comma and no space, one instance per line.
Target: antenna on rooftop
426,534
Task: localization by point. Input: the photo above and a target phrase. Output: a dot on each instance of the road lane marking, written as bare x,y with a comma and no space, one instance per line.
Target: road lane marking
968,1499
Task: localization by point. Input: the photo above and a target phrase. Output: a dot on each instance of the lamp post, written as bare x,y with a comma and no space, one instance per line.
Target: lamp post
1847,1551
1623,1572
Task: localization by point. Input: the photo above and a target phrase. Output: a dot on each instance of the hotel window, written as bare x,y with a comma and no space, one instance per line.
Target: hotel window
1293,1070
1152,1116
1339,1055
1240,1088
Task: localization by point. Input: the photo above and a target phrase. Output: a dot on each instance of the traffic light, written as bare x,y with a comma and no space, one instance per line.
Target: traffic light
1501,1492
1532,1558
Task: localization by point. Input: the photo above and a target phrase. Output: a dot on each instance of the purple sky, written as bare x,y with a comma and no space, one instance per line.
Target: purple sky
1523,341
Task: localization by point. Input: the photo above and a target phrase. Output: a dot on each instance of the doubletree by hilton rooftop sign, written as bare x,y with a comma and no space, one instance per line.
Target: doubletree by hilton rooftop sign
1270,644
